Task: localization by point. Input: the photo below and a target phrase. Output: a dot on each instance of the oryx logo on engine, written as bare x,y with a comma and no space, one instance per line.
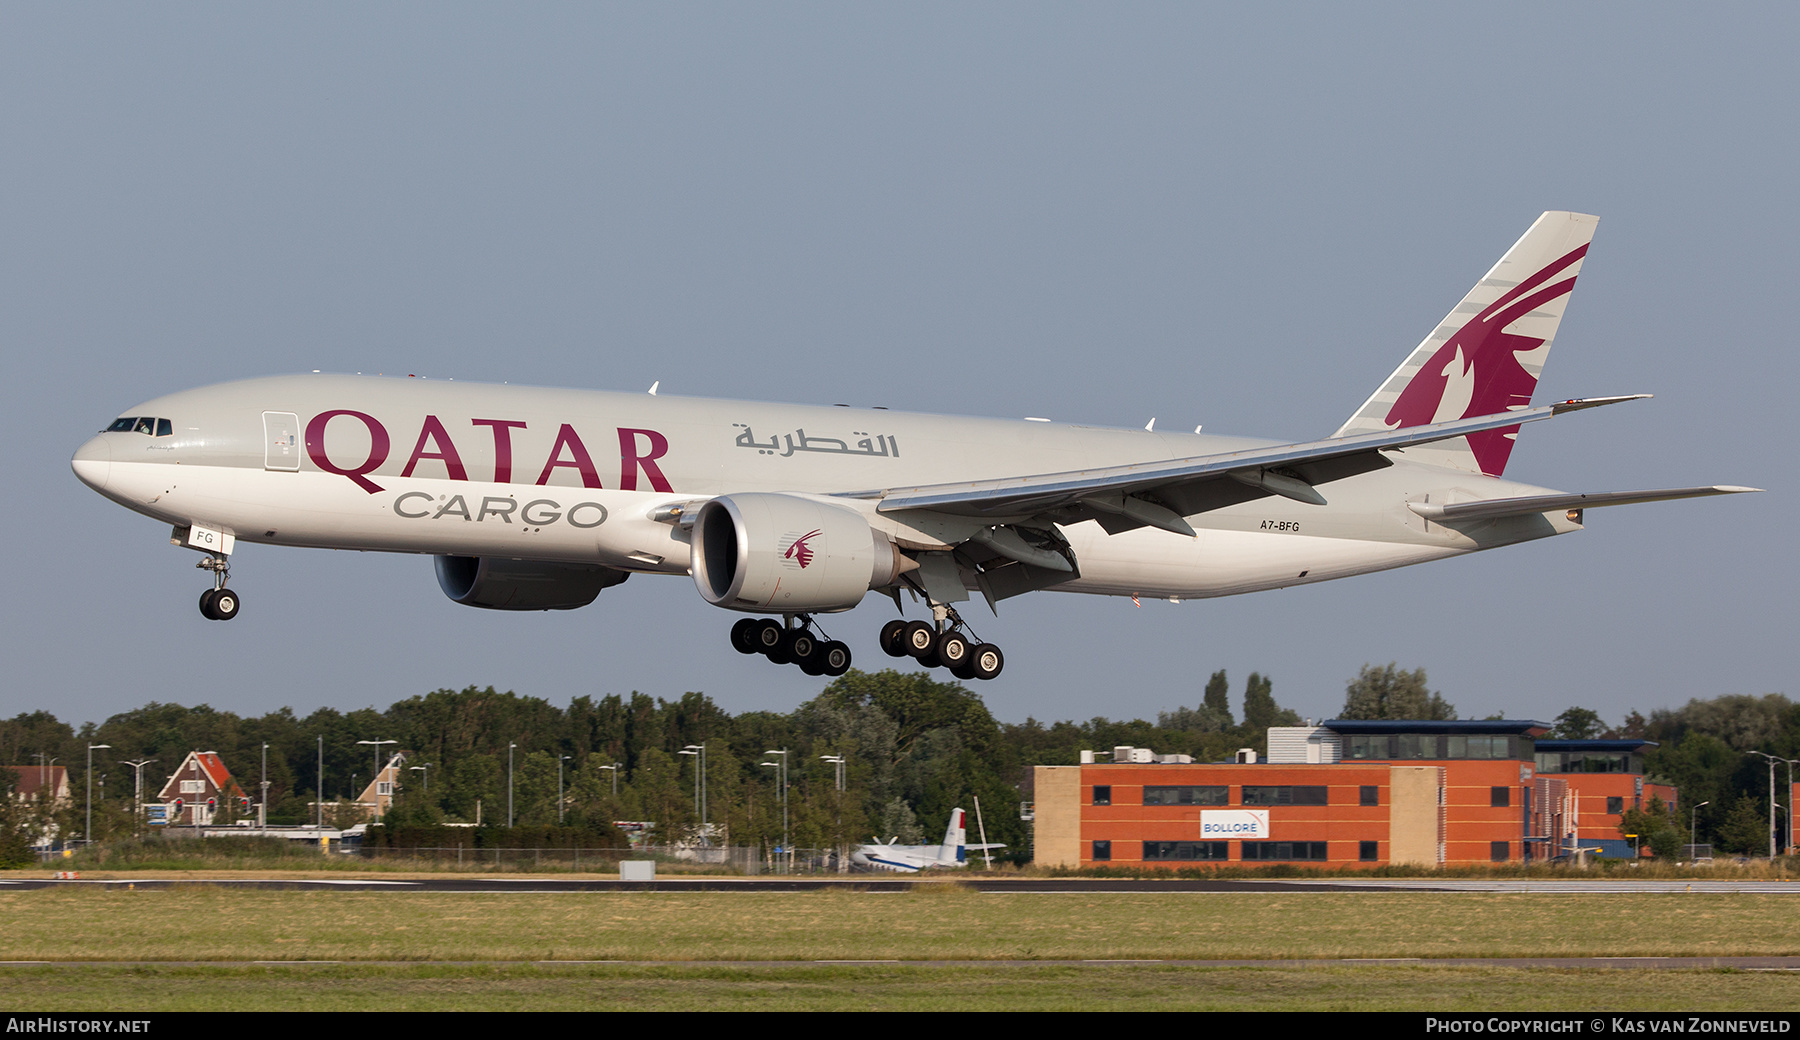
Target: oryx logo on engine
799,551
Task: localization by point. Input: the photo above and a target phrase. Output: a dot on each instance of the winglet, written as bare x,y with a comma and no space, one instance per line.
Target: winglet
1576,404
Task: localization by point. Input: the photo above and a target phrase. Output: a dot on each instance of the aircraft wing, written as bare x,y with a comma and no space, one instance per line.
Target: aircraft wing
1495,508
1277,470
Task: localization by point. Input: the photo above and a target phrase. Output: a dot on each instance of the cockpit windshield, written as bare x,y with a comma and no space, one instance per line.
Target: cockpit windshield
145,424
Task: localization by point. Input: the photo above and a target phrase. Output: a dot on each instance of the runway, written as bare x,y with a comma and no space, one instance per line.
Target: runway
871,883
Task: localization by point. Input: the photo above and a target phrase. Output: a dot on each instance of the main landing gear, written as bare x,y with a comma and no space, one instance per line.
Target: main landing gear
943,644
218,603
794,642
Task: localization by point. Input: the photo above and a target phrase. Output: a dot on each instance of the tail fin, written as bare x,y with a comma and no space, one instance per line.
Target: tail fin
1485,357
955,837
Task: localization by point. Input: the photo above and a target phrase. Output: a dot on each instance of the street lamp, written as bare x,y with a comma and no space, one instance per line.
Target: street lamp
614,769
262,809
782,771
509,785
1693,820
1790,842
1772,760
837,762
138,809
88,833
426,769
560,759
699,787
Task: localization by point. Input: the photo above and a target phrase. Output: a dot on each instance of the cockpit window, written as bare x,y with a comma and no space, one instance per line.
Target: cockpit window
145,424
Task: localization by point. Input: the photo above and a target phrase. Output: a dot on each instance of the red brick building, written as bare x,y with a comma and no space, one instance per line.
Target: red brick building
1607,778
1349,793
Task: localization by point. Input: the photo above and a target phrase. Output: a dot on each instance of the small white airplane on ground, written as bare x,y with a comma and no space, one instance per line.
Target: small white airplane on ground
920,857
538,499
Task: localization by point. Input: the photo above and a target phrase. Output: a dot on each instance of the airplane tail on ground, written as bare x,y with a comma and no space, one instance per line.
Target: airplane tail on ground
950,850
1485,357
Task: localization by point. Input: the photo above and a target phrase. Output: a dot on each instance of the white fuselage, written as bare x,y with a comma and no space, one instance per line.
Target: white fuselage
408,465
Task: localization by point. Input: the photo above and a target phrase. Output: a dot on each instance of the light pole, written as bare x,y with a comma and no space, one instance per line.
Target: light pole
262,808
781,771
560,759
426,769
509,785
1790,842
137,810
614,770
1693,822
321,785
700,788
837,762
375,778
87,833
1772,760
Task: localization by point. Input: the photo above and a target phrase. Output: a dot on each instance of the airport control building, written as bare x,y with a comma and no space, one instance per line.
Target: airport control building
1350,793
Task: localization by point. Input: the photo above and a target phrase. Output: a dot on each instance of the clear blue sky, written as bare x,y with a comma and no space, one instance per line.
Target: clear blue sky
1232,215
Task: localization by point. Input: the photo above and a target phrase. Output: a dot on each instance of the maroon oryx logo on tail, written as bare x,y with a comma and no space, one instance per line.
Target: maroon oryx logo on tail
799,551
1477,371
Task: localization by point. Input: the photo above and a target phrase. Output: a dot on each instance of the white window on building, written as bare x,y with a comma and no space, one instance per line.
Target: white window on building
385,788
193,787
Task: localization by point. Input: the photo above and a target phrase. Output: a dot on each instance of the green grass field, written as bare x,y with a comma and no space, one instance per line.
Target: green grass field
509,934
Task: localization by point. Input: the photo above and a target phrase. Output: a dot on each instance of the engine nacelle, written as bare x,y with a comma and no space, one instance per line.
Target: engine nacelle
502,584
774,553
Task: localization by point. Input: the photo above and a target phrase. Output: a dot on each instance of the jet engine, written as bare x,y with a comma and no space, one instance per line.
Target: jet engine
502,584
776,553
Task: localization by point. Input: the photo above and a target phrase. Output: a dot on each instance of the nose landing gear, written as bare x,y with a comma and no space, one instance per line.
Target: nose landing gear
218,603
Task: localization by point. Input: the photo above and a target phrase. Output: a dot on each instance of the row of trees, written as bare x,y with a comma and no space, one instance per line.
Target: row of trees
914,749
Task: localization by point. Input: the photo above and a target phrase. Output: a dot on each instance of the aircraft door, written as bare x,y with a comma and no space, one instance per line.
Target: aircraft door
281,441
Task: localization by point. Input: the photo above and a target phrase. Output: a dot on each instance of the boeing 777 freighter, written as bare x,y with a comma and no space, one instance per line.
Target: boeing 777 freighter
539,499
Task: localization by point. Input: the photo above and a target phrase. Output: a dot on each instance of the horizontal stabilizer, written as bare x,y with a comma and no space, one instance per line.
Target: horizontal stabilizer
1498,507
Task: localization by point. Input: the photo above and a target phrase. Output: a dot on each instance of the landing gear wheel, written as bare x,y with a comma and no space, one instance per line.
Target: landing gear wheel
834,658
766,637
919,639
225,605
206,604
987,661
890,638
952,650
743,636
799,646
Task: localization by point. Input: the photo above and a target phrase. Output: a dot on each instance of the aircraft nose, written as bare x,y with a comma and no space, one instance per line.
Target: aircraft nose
93,462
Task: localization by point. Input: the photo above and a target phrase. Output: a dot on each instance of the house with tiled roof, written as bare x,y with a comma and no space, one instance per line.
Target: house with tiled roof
39,782
378,797
201,792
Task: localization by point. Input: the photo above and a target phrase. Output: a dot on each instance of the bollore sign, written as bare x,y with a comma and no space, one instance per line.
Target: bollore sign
1234,823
